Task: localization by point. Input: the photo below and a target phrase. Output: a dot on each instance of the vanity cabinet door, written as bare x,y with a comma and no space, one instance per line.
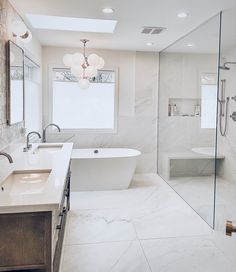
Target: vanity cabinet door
25,241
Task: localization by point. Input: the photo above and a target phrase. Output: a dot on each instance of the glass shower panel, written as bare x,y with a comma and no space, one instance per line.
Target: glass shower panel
226,180
187,117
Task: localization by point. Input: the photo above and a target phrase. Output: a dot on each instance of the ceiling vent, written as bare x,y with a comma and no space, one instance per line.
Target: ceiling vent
152,30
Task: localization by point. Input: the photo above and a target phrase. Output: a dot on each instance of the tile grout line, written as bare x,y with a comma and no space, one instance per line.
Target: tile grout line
123,254
222,251
141,246
101,242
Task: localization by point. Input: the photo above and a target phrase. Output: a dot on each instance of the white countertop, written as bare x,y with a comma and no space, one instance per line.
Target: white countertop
49,195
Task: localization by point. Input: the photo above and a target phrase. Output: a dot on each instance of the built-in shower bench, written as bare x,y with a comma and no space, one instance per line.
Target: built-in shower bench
189,163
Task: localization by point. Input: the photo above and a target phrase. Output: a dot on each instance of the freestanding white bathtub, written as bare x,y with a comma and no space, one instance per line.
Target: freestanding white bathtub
102,168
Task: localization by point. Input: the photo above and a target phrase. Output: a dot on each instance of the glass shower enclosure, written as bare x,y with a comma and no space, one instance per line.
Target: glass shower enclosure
197,119
188,93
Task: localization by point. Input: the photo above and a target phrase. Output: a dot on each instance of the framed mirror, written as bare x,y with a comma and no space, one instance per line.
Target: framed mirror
15,83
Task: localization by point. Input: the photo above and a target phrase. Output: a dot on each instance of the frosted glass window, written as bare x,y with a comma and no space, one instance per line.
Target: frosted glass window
208,106
75,108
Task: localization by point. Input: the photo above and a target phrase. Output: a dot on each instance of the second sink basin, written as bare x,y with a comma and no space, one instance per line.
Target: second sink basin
50,148
25,182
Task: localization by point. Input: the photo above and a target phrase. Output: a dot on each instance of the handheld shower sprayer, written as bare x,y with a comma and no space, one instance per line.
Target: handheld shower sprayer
224,106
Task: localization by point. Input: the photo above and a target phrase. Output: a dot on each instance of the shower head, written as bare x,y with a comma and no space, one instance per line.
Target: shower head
225,67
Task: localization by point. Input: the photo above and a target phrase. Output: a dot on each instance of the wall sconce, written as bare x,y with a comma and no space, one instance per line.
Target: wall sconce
26,37
20,30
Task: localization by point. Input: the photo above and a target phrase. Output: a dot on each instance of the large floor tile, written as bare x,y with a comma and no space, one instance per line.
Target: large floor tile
141,188
167,215
105,229
93,226
193,254
198,192
226,244
105,257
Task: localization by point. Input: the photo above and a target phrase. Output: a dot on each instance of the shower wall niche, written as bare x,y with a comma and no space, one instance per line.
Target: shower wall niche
185,107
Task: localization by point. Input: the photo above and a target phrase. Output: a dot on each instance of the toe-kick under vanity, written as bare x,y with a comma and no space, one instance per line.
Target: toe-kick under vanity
34,201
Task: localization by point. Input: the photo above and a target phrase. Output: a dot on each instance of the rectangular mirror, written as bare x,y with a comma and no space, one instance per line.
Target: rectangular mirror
15,83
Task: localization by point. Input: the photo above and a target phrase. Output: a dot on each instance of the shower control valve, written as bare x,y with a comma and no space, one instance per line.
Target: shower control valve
233,116
233,98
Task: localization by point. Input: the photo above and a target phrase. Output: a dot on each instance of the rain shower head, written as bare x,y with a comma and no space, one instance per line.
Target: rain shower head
225,67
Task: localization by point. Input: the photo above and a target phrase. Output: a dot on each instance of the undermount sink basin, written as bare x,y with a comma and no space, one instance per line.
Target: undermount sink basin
48,148
25,182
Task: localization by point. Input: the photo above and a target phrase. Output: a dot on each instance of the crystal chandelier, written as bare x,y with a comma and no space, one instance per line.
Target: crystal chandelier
83,67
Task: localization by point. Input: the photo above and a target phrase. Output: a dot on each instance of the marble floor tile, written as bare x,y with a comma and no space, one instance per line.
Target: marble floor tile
105,257
147,227
226,244
201,189
94,226
198,192
141,188
192,254
167,215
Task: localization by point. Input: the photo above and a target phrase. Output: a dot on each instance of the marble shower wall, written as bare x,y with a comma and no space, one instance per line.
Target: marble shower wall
14,133
227,144
180,78
137,116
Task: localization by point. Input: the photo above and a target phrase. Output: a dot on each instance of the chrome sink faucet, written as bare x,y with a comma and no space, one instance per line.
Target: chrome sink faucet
28,145
7,156
44,131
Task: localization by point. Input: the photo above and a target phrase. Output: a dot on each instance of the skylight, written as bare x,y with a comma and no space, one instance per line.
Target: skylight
71,24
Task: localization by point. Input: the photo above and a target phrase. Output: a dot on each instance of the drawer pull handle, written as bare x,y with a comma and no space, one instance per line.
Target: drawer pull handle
61,214
66,192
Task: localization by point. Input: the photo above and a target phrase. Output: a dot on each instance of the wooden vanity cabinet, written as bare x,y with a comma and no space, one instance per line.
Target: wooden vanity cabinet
33,240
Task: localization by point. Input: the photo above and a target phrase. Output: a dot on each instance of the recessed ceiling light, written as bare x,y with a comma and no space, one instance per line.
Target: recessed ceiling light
108,10
189,45
71,23
149,43
182,15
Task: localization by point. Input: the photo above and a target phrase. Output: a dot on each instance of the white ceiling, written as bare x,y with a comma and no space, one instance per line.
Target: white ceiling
204,39
132,15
